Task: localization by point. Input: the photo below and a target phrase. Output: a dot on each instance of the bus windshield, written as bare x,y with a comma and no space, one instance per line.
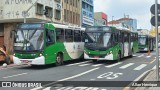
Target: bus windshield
142,40
98,39
29,40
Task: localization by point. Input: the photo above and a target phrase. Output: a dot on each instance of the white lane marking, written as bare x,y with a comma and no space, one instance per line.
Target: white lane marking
69,88
127,65
78,75
65,79
48,88
97,65
141,55
109,66
77,63
134,55
148,56
154,67
140,67
84,65
92,79
61,88
15,75
16,66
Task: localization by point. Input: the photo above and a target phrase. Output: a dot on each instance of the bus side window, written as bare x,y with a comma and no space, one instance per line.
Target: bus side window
69,35
82,36
60,35
50,37
77,36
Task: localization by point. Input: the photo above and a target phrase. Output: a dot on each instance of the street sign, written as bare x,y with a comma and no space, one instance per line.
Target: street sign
152,9
153,21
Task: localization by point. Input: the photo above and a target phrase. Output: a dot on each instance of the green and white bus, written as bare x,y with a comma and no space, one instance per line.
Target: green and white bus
47,43
146,42
109,43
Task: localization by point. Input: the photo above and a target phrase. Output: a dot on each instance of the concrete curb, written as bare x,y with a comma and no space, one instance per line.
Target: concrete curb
140,78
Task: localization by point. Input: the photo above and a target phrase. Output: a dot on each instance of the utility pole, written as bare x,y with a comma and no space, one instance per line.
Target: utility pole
157,50
25,12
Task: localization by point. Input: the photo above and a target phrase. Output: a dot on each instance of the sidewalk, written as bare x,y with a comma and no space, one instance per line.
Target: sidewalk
150,77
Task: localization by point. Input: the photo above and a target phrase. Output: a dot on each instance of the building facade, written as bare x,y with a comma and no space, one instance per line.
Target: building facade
87,13
126,22
71,12
12,12
131,23
100,19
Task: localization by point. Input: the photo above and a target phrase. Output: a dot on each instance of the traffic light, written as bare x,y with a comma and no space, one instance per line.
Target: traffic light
152,9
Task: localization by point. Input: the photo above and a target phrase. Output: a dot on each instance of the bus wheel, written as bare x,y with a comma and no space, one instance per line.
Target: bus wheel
132,53
7,60
119,57
94,61
59,59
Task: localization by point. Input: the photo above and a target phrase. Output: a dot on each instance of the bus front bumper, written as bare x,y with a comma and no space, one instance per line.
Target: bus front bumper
107,57
36,61
143,49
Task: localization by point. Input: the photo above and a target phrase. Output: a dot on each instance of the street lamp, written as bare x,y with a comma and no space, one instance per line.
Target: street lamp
25,12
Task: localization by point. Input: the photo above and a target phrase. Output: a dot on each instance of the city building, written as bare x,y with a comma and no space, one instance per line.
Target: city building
125,22
71,12
12,12
87,13
131,23
100,19
118,24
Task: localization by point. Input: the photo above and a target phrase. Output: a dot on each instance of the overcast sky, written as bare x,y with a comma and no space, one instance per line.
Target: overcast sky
136,9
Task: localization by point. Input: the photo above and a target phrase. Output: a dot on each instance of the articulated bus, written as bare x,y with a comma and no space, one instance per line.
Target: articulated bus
47,43
109,43
146,42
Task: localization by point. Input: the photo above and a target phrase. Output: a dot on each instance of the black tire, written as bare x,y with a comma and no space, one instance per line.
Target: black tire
132,53
7,60
59,59
94,61
119,57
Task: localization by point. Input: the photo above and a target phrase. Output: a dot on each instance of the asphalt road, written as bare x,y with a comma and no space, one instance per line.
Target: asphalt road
81,74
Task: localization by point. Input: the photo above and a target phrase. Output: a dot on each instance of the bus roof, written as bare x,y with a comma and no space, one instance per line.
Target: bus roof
67,26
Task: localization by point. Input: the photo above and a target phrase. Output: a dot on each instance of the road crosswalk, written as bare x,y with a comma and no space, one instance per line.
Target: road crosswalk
73,88
119,65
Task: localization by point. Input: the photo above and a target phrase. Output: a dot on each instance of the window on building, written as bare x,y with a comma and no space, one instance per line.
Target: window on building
60,35
49,11
70,2
69,35
76,3
57,14
39,9
65,15
83,5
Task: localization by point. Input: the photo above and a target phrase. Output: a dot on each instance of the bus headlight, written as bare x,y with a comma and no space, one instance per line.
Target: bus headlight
40,54
14,54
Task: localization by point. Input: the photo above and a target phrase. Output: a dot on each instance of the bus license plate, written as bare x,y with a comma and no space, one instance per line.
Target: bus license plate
25,62
96,56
